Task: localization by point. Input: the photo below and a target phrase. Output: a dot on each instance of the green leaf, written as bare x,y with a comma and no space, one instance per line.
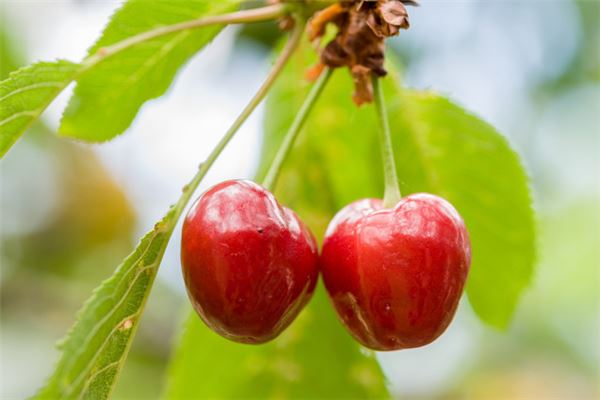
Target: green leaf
107,98
95,349
26,93
439,148
458,156
314,358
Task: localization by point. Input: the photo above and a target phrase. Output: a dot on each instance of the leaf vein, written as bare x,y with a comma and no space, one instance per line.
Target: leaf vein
34,86
94,375
100,324
19,115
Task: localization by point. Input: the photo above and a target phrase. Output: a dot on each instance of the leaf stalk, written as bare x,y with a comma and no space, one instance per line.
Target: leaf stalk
291,135
280,63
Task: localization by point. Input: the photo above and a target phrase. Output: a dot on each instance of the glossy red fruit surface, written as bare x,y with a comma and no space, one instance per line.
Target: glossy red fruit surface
249,264
395,276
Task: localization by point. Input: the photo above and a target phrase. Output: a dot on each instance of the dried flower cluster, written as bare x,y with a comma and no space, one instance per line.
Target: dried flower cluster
363,26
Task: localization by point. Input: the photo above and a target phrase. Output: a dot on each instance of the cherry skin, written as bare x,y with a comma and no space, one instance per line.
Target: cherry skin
249,264
395,276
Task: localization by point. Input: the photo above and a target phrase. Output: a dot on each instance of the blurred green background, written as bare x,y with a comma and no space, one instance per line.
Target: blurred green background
71,212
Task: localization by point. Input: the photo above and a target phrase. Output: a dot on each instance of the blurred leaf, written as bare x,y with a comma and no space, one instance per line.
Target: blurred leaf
96,347
10,52
579,221
26,94
440,149
314,358
569,237
107,98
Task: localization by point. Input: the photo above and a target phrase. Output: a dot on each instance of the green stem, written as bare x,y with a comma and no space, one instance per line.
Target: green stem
392,190
288,141
258,97
239,17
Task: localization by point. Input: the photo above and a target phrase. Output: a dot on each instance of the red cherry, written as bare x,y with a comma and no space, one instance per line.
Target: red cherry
395,276
249,264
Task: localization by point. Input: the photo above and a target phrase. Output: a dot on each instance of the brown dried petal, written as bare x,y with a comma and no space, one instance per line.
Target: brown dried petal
410,3
394,13
375,63
319,21
362,26
362,84
380,30
334,54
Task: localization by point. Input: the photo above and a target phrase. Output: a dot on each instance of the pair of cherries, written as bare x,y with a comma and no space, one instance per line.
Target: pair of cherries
395,276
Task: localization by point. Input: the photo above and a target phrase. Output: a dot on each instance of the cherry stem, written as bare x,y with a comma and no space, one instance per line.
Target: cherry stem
280,63
291,135
392,193
239,17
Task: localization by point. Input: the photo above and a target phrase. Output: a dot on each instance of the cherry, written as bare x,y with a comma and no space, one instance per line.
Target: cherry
395,276
249,264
